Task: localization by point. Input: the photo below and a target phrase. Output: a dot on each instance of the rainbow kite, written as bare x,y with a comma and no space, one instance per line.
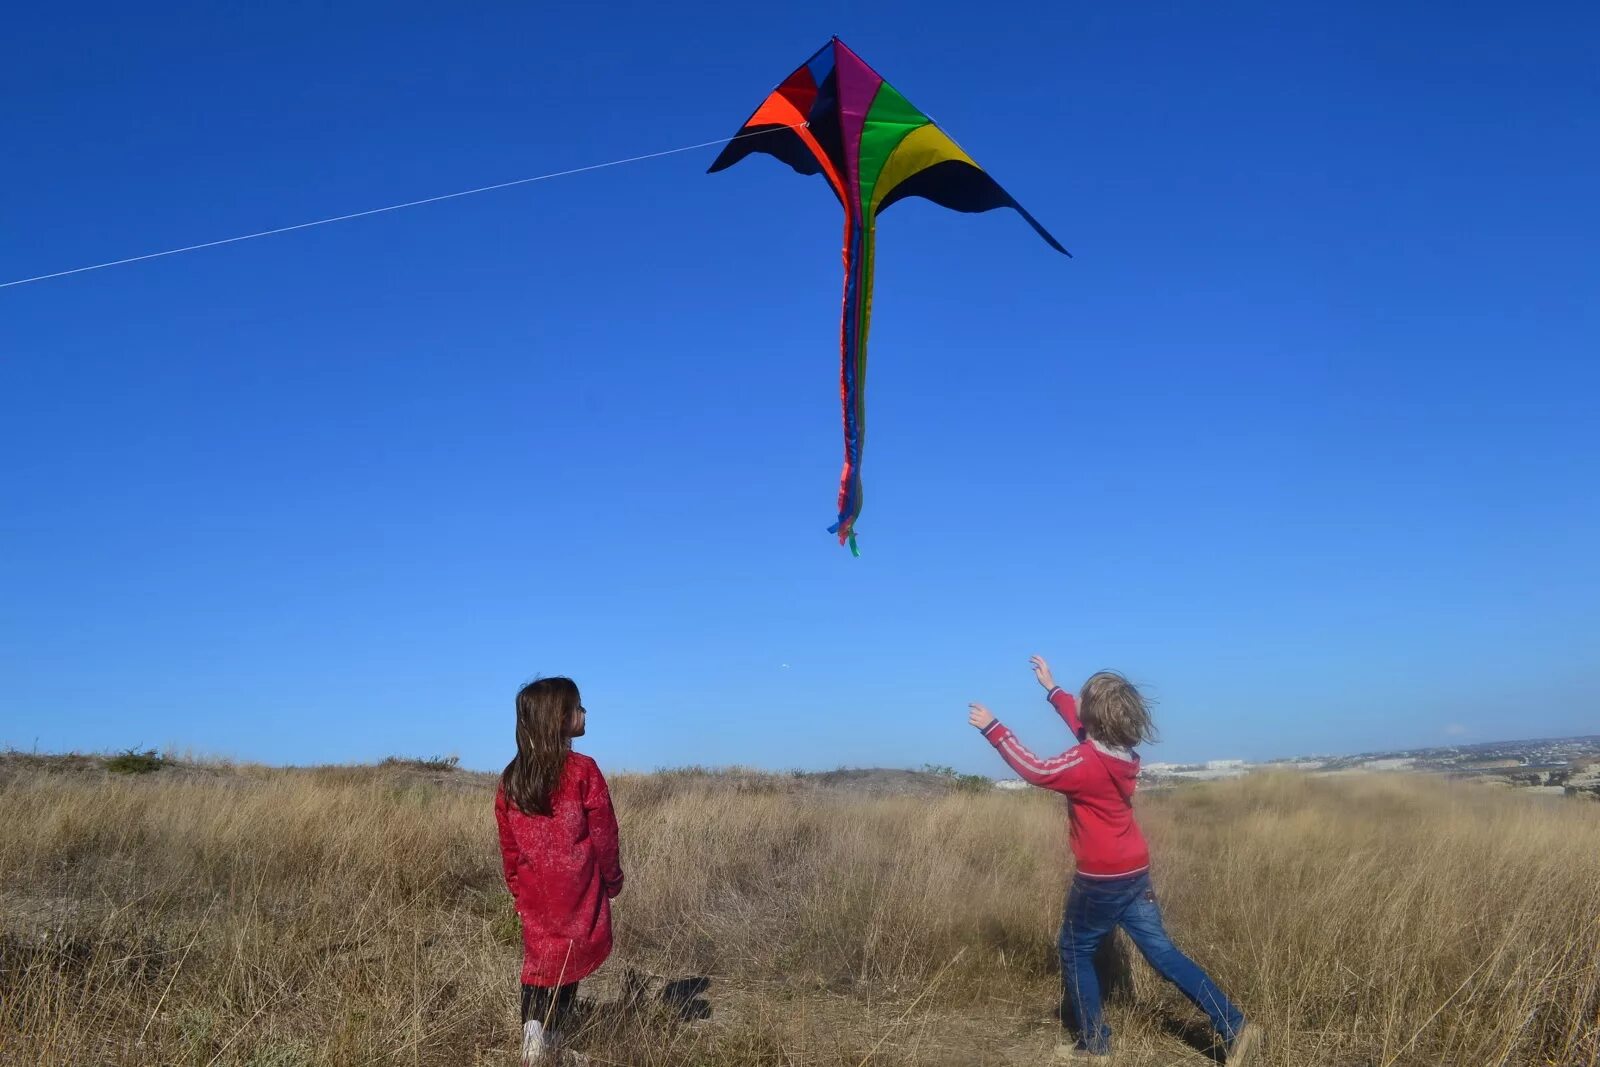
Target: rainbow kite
836,117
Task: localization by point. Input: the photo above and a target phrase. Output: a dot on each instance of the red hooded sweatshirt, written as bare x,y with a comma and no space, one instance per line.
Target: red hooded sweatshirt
1098,781
562,870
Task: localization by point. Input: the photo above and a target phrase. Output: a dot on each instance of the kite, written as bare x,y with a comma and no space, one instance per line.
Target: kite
835,116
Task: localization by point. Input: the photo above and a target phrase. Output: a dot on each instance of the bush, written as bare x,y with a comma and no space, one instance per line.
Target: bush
972,783
135,762
437,763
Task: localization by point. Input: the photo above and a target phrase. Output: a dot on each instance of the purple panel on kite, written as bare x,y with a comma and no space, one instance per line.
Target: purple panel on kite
858,85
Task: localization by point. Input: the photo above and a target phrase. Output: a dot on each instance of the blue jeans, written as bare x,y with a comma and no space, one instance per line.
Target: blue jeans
1096,907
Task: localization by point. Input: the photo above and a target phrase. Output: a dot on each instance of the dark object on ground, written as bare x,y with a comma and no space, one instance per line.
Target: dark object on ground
1197,1035
680,996
683,995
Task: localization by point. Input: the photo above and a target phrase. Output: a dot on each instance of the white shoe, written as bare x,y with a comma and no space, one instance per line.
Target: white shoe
1245,1045
535,1043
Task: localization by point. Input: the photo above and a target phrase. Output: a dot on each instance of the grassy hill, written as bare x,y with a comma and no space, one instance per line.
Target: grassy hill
206,915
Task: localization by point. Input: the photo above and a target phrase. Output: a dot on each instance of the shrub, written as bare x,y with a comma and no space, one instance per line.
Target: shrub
437,763
135,762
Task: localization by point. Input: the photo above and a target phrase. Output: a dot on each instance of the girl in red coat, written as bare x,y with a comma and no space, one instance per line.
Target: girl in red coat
558,838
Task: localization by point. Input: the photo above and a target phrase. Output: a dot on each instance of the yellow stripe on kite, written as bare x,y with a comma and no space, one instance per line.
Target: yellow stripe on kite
917,151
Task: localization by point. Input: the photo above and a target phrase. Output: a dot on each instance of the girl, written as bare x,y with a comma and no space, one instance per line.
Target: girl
1112,885
558,839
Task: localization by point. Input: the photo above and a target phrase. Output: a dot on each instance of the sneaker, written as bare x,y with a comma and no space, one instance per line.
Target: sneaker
1244,1046
1071,1052
534,1043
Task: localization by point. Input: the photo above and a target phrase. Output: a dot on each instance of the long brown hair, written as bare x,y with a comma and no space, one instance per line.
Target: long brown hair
545,710
1115,712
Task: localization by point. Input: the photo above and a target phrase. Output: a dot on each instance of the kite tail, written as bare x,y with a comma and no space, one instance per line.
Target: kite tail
857,310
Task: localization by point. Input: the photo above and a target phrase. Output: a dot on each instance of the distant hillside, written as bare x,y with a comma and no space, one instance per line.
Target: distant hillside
862,781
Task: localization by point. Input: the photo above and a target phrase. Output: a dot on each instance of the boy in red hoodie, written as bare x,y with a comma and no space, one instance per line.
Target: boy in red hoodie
1112,885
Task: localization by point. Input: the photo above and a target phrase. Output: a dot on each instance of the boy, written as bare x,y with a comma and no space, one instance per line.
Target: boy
1111,887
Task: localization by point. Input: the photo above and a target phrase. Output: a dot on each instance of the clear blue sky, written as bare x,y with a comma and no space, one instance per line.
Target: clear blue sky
1304,438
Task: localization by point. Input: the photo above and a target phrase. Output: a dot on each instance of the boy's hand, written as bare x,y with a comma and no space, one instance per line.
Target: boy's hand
979,716
1041,671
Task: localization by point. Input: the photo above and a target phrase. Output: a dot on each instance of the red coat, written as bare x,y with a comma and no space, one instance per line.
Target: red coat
562,870
1098,780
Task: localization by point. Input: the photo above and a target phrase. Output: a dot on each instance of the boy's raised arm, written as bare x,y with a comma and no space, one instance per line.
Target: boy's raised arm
1064,703
1060,773
1066,706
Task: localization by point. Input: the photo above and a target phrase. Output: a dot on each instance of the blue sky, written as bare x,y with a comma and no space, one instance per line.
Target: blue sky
1303,438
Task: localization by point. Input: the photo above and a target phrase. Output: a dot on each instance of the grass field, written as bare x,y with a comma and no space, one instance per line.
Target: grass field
207,915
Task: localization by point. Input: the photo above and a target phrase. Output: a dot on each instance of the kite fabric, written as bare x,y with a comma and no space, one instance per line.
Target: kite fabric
835,116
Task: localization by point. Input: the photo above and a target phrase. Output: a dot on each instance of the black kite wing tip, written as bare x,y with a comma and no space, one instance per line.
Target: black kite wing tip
1038,227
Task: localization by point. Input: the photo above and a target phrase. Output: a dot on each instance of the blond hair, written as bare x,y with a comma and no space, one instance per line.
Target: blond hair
1115,712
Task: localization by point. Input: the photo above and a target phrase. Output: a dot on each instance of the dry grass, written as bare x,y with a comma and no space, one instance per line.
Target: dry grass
350,916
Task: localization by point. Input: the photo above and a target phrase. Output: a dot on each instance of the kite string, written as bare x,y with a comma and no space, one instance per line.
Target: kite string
392,207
